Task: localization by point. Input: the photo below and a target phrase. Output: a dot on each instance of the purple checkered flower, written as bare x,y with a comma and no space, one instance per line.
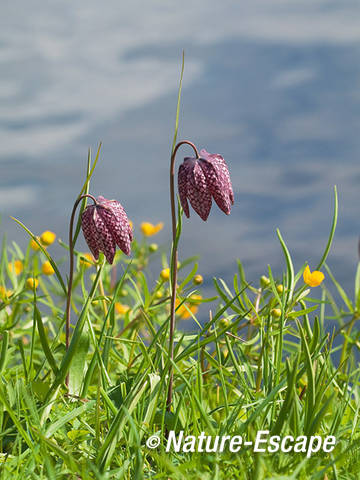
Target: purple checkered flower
202,179
104,226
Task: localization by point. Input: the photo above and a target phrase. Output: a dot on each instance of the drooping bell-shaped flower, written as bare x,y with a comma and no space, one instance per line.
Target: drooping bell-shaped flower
105,225
202,179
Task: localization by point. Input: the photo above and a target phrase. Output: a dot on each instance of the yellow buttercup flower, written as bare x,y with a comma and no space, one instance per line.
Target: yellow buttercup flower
121,309
312,279
148,229
17,267
131,224
86,259
32,283
183,312
34,245
191,304
47,238
47,268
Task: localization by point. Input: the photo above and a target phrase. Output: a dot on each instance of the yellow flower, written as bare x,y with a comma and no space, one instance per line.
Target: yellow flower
165,274
86,259
148,229
47,268
4,294
312,279
47,238
32,283
198,280
191,304
17,267
121,309
183,312
34,245
131,224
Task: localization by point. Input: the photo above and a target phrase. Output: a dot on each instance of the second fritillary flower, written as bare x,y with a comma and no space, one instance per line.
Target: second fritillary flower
202,179
105,225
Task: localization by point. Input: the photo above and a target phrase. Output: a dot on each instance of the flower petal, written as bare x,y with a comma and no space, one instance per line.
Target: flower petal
117,224
104,237
182,187
217,185
222,172
313,279
198,192
89,230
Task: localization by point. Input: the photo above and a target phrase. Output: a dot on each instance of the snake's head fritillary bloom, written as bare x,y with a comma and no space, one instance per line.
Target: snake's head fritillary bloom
202,179
104,226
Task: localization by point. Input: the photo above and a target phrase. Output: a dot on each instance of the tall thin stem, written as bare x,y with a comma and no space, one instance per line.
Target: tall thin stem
174,259
71,270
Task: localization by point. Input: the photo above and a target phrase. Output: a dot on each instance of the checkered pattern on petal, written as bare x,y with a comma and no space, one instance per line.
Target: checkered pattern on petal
106,225
105,239
89,230
117,223
124,225
182,186
200,180
216,186
222,171
198,192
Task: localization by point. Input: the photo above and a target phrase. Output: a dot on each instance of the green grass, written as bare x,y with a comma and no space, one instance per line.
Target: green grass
242,370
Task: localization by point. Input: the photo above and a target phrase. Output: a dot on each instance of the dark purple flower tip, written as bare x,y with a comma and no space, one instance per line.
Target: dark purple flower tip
204,178
104,226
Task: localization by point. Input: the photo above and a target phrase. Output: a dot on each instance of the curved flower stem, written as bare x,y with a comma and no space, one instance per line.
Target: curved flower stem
174,267
71,270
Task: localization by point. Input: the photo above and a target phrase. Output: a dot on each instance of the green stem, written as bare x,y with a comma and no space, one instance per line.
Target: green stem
71,271
174,268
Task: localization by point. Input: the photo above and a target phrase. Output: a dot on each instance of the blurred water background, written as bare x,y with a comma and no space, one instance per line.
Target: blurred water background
272,85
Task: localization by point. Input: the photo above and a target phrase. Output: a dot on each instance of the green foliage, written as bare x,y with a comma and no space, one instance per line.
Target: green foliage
238,369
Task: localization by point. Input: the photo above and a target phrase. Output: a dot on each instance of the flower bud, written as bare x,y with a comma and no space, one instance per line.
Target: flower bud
34,245
198,280
47,268
264,281
165,274
276,312
47,238
153,247
224,322
280,289
32,283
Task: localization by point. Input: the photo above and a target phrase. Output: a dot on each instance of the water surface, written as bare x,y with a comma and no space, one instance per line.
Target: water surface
271,85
